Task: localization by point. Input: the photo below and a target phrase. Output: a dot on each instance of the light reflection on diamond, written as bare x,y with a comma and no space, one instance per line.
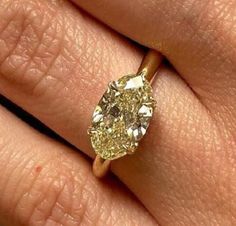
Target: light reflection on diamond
122,116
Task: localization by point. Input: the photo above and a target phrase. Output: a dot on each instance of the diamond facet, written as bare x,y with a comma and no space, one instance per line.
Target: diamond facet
122,116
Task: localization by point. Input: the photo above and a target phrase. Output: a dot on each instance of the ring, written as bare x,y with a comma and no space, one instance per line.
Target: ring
122,116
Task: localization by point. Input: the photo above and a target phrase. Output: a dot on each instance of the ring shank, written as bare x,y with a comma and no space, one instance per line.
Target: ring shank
150,64
100,166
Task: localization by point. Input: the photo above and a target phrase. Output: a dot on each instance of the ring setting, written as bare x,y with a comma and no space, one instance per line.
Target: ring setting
122,116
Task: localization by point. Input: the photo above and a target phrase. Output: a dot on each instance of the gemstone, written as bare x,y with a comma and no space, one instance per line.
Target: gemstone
122,116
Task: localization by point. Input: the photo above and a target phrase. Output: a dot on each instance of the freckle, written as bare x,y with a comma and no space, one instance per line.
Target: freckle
38,169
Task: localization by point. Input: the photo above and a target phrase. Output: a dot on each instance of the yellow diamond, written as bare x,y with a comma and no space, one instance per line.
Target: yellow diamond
122,116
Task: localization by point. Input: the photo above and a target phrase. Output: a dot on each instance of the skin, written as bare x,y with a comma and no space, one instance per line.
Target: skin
55,63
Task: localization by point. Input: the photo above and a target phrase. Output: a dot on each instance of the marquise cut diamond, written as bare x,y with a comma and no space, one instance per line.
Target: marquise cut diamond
122,116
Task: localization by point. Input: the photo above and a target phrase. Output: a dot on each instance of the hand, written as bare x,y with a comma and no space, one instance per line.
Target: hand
56,61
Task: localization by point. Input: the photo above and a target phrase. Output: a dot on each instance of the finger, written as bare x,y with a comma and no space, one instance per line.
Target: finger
196,36
45,183
59,59
71,85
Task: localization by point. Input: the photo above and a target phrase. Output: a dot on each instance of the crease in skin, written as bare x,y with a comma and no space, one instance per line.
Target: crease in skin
56,209
59,181
31,55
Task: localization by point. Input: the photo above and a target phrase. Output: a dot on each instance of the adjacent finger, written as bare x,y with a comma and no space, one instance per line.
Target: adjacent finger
45,183
196,36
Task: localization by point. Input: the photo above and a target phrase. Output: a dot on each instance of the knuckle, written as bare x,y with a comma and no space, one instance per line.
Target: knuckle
31,40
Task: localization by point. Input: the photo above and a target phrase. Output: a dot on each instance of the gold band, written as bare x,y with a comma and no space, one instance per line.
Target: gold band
148,67
151,62
100,166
